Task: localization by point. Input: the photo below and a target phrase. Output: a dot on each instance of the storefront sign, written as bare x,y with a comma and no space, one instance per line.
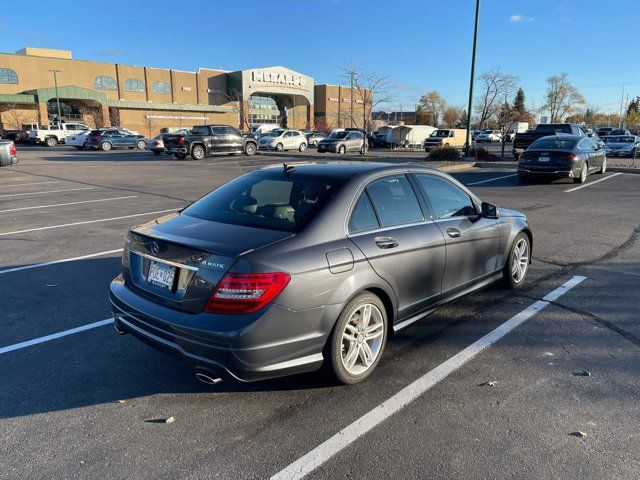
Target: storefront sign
260,76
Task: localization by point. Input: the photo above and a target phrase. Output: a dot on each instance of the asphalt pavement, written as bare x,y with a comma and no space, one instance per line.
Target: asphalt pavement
555,397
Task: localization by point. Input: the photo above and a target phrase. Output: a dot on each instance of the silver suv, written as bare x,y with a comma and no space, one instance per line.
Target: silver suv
343,142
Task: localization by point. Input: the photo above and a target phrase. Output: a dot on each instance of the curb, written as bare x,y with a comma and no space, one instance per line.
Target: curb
454,168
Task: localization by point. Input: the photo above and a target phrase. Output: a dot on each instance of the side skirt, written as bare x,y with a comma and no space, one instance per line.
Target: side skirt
405,323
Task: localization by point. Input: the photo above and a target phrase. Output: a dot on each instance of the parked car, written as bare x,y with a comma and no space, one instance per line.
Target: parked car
286,269
619,131
13,135
522,141
283,139
514,128
204,140
621,145
343,142
489,136
156,144
604,131
108,139
313,138
260,129
52,135
446,137
78,140
7,153
562,156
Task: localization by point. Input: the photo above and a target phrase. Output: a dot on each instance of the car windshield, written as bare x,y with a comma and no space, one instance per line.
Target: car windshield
440,133
554,144
619,139
272,200
339,135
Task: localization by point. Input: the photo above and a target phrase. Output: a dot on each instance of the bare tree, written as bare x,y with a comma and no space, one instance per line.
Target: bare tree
432,103
13,118
370,90
494,85
239,104
149,123
92,115
562,98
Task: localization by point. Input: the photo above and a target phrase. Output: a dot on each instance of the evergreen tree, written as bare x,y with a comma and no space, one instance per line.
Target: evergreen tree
519,106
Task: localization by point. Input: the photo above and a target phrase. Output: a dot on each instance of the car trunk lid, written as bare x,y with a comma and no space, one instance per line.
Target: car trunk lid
178,260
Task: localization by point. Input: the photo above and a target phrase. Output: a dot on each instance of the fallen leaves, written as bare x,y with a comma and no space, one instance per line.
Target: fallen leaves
578,433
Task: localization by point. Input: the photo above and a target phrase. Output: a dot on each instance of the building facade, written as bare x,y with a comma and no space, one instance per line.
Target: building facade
34,81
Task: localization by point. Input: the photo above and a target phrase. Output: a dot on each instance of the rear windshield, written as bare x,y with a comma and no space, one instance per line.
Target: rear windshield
619,139
554,143
551,128
271,200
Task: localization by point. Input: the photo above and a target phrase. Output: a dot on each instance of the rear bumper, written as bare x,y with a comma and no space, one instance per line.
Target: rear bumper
546,172
271,343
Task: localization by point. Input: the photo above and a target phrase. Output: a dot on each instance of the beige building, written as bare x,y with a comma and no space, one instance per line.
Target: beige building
149,100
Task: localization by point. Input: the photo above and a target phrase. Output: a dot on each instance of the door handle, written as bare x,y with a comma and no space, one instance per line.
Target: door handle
386,242
454,232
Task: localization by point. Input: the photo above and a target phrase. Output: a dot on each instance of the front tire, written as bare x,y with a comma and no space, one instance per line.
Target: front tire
250,149
197,152
342,150
51,142
517,265
302,147
279,147
584,171
358,339
140,144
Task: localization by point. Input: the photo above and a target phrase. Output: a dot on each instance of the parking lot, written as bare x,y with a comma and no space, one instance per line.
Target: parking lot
556,397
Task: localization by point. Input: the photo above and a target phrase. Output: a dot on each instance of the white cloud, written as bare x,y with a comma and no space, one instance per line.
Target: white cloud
520,18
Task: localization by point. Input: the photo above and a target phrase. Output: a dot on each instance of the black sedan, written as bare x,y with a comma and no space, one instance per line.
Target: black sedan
562,156
109,139
288,269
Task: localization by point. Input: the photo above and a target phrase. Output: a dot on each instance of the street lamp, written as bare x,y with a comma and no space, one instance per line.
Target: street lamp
55,82
467,145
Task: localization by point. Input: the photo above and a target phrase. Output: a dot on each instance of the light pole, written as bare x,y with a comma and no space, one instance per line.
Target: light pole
55,83
467,145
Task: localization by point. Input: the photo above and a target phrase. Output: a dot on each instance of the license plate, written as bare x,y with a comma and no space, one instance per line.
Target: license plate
161,274
543,159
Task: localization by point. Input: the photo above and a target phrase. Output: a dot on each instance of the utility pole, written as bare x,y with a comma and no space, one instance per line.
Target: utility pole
467,146
352,74
55,82
621,103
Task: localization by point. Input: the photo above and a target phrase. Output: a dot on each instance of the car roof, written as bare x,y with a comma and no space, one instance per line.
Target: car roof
347,170
565,136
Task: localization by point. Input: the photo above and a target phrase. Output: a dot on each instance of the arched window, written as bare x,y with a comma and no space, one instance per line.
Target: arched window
161,87
104,82
8,76
133,85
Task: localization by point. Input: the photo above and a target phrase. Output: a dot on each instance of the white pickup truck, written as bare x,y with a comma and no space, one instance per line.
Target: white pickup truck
53,134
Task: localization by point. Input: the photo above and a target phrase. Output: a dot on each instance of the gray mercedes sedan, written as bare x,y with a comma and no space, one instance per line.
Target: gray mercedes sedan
292,268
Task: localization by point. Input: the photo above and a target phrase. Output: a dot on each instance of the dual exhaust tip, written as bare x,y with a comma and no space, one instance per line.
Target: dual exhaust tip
207,377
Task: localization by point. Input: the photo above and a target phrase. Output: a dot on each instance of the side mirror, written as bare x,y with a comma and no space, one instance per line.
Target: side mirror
489,210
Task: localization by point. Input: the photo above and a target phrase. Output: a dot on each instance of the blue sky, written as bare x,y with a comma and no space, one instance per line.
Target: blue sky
421,45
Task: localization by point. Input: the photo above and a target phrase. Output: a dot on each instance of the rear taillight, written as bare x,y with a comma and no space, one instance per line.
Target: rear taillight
571,156
12,149
246,292
180,140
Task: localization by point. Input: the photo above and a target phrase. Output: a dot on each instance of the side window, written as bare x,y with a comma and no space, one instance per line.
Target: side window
288,134
70,126
218,131
363,217
447,199
231,131
395,201
452,134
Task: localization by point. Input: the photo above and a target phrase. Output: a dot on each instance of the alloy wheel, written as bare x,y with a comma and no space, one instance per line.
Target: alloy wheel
520,260
362,339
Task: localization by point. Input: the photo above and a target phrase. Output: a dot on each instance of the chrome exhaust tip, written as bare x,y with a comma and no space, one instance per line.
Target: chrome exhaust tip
119,329
205,377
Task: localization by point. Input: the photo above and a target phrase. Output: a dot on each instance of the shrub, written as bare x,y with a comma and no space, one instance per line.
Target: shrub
444,153
482,155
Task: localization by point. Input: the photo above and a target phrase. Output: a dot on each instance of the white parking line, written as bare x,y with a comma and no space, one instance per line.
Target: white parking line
593,183
492,179
42,193
66,204
86,222
382,412
55,262
27,184
53,336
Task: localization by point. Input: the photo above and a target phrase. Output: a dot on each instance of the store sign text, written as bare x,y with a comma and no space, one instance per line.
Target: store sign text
260,76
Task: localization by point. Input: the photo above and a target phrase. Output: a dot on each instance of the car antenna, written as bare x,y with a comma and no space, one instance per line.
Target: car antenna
288,168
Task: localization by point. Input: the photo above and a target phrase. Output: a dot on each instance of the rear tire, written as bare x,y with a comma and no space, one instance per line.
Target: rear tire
584,172
604,166
140,144
516,267
105,146
279,147
51,142
197,152
302,147
363,339
342,150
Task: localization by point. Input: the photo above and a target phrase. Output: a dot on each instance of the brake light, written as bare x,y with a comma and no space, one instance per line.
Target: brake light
180,140
12,149
525,155
246,292
571,156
